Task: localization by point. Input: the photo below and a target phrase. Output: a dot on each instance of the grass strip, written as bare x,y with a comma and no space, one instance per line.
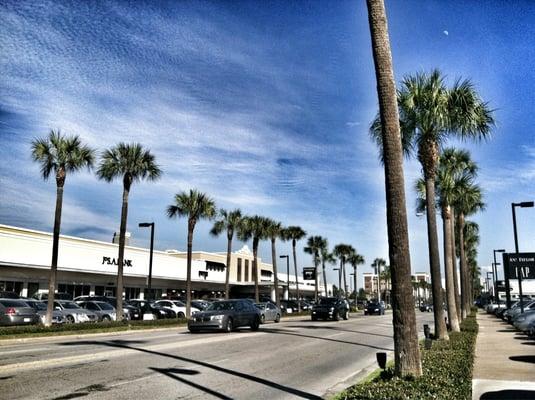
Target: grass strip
447,372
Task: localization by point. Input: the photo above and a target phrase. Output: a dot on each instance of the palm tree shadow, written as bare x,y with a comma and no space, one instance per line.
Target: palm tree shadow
124,344
285,332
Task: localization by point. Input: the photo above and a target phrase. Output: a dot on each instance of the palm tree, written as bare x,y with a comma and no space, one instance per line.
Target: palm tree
195,206
343,252
132,163
255,228
228,221
61,155
386,276
294,233
355,260
471,242
376,265
406,350
274,231
313,247
468,200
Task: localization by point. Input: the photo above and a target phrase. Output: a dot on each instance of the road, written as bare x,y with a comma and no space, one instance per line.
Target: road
292,359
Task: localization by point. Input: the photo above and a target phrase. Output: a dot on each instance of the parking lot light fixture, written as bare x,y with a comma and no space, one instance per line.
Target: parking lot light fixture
151,226
287,275
524,204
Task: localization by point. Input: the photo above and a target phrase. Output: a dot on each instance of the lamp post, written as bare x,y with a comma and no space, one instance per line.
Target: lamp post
288,276
495,275
489,281
524,204
151,225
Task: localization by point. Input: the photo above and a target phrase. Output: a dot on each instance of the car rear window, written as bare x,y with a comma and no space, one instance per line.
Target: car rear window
13,303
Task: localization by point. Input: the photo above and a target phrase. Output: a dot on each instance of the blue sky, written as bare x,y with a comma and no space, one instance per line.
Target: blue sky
264,106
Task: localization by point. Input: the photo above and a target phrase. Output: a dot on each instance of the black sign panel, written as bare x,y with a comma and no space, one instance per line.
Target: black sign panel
308,274
519,262
500,285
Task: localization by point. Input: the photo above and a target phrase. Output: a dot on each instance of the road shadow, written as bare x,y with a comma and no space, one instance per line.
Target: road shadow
336,328
527,359
124,344
279,331
529,343
509,394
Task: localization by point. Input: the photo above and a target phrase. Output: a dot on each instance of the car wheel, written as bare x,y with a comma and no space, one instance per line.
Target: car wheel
336,316
180,315
346,315
256,324
229,326
70,319
278,318
262,319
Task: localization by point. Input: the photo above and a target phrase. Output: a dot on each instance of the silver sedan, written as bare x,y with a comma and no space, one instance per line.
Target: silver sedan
269,312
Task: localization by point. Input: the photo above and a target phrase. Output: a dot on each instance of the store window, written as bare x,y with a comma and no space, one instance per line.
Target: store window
11,286
131,293
239,269
246,270
74,290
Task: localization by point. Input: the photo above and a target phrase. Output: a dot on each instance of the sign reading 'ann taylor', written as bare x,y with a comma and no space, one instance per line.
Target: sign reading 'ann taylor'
523,262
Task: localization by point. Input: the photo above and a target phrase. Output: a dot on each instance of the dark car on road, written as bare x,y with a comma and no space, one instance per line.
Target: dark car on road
17,312
426,307
226,316
374,308
330,308
151,308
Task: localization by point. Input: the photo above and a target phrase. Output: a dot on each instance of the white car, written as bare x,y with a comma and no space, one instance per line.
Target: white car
177,306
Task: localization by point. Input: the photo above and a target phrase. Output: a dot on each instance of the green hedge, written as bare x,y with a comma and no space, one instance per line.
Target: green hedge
447,372
41,330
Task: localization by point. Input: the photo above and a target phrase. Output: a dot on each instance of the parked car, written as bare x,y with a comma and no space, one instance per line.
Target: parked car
73,313
289,306
226,315
531,330
57,296
330,308
177,306
17,312
511,314
129,312
105,311
40,309
523,321
374,308
269,312
8,295
154,311
426,308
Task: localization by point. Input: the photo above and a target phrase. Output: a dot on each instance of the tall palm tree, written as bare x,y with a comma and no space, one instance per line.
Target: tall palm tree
406,349
294,233
468,200
326,257
343,252
195,206
355,260
274,231
228,221
313,247
430,113
386,276
60,155
376,265
255,228
132,163
471,242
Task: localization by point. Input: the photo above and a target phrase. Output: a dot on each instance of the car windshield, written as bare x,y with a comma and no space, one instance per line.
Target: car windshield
178,303
37,305
221,306
69,305
105,306
327,301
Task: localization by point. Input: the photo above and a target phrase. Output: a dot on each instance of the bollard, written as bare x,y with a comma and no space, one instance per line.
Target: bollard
381,360
427,331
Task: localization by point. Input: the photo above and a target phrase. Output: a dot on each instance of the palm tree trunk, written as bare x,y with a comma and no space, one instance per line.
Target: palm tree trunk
55,251
355,282
276,278
345,281
406,350
255,269
227,275
454,264
434,259
315,278
324,273
379,282
340,279
191,227
122,240
448,270
296,278
464,272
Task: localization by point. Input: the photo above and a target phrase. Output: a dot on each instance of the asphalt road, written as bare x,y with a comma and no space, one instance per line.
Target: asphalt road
291,359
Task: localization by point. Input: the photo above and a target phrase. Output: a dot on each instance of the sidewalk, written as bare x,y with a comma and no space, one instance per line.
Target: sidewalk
504,365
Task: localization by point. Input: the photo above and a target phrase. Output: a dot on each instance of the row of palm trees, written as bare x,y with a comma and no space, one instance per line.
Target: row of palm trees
417,119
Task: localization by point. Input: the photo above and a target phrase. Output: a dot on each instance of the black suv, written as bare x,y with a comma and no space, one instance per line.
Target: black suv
330,308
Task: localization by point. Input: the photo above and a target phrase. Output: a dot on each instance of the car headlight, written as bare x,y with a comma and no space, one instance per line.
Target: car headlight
162,312
83,317
332,308
376,309
216,317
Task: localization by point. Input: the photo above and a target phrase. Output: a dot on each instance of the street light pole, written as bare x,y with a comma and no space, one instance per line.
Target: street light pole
524,204
489,281
151,225
288,275
495,275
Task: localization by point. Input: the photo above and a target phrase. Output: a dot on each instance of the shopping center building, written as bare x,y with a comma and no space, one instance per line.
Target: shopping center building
89,267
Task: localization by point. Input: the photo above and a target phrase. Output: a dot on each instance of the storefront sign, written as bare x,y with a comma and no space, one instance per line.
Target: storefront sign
113,261
520,262
308,274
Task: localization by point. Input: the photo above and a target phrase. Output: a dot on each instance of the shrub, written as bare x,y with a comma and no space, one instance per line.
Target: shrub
447,372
